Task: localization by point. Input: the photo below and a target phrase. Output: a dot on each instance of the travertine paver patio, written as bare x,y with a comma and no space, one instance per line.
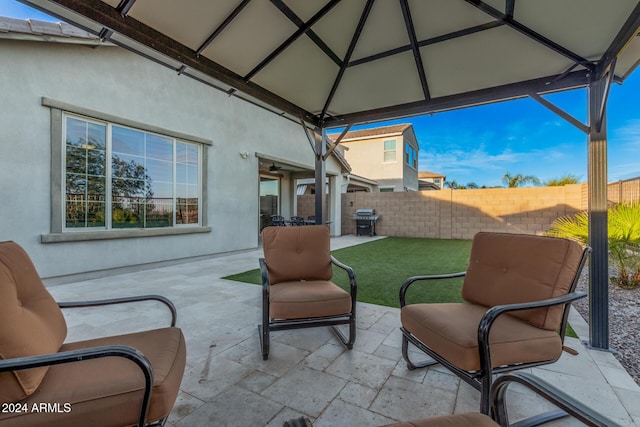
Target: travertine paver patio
227,383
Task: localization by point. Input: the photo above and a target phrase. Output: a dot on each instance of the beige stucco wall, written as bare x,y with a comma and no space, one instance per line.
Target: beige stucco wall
366,158
114,81
459,214
410,174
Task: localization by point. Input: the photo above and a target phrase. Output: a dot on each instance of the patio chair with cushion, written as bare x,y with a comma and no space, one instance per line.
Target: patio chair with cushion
297,291
124,380
500,416
517,291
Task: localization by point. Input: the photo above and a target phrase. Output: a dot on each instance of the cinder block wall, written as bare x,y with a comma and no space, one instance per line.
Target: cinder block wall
459,214
307,205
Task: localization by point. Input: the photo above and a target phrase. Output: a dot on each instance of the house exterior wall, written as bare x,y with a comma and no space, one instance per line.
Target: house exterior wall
409,173
366,158
113,81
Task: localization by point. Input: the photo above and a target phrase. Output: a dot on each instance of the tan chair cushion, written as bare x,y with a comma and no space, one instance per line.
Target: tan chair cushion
458,420
297,253
451,330
31,322
108,391
314,298
511,268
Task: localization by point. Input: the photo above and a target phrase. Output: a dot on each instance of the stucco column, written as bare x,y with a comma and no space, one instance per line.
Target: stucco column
335,205
320,136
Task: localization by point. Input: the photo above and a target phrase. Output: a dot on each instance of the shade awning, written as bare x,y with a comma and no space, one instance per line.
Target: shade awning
333,62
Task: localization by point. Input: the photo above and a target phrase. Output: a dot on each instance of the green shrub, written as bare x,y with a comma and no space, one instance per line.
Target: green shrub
624,239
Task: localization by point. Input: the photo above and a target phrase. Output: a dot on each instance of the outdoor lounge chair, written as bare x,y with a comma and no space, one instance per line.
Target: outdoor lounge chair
499,411
517,290
297,291
124,380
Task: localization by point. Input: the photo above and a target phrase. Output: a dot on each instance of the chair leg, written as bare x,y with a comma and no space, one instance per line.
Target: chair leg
263,333
405,355
348,343
352,332
159,423
485,393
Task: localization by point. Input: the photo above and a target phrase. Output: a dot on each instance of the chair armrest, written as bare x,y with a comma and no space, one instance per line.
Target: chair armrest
412,280
492,314
165,301
547,391
484,328
123,351
264,272
349,270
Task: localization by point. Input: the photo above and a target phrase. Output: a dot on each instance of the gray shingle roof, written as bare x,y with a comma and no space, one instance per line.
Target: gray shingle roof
372,132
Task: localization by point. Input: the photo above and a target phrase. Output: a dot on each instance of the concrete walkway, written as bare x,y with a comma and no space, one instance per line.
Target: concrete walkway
308,373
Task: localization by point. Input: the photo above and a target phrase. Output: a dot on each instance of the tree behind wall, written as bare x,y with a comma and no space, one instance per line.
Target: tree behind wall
518,180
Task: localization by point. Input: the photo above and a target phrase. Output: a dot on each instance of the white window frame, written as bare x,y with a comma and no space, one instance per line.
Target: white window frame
108,204
394,151
58,231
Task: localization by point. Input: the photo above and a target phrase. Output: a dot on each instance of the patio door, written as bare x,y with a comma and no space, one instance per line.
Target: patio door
269,199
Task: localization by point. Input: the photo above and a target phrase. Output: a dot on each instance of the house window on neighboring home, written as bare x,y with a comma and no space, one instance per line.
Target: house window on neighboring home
390,150
411,156
386,190
118,177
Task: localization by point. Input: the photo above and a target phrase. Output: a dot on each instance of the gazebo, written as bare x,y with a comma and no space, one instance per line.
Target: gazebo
336,63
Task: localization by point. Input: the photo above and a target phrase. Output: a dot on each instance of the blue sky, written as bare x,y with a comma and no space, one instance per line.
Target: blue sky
481,144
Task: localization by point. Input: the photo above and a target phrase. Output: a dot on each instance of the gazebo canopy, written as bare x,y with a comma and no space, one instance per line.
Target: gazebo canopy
335,62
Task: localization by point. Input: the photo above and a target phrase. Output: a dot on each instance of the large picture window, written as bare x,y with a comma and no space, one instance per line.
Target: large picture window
119,177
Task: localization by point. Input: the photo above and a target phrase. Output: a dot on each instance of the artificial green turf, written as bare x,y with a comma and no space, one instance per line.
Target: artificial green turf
382,265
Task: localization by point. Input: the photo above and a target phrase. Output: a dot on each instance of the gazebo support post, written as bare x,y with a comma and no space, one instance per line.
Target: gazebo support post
598,234
320,136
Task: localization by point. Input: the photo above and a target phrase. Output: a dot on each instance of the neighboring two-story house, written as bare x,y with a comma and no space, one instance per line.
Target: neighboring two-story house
431,180
388,155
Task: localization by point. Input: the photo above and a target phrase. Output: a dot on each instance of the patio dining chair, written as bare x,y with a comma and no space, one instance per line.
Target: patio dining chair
124,380
297,291
278,221
517,291
499,409
297,220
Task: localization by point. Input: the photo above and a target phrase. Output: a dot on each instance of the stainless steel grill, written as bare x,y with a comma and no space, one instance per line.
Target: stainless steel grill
366,221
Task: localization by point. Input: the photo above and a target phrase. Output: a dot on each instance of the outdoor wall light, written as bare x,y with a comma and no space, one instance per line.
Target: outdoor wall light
244,154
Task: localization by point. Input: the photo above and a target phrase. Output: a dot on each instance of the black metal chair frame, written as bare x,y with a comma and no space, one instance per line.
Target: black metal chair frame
560,399
278,221
79,355
482,379
566,404
269,324
297,221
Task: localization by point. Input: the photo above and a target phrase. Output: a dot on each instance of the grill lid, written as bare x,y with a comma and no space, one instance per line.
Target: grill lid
365,212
